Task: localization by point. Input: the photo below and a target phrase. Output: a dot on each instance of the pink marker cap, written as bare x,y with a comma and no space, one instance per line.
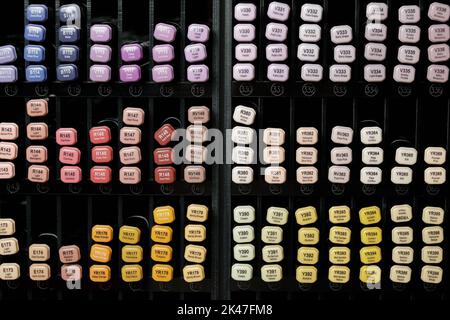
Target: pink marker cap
66,136
72,272
101,174
165,32
163,73
100,135
70,174
198,73
69,155
102,154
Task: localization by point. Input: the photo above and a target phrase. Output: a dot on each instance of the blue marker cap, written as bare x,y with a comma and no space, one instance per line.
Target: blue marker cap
66,72
8,74
69,13
34,53
68,53
36,73
37,13
34,32
69,34
8,54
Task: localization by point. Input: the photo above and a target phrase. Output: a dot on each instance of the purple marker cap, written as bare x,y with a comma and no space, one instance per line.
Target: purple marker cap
8,54
198,73
130,73
195,52
165,32
8,74
100,53
131,52
101,33
163,73
163,53
100,73
198,32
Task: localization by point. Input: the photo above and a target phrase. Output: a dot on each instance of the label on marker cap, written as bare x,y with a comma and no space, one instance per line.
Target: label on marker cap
39,252
276,52
9,271
278,11
375,51
243,72
432,235
311,12
8,151
439,12
68,53
341,34
244,32
274,136
277,216
272,253
310,32
340,235
409,14
339,174
276,31
271,234
401,175
374,73
306,155
37,107
242,175
197,213
242,155
241,272
306,274
339,214
404,73
400,274
439,33
435,155
33,53
371,235
308,236
164,215
432,254
102,233
129,234
196,233
7,170
402,255
244,214
370,215
375,32
7,227
342,135
340,73
433,215
244,115
161,253
372,155
339,274
308,255
244,252
408,54
370,274
435,175
401,213
438,52
370,175
339,255
376,11
344,53
245,12
69,34
306,215
273,155
35,33
132,254
271,273
162,273
38,174
371,135
308,52
307,135
36,73
431,274
8,246
99,273
437,73
307,175
193,273
194,253
198,32
370,255
132,273
402,235
278,72
341,155
312,72
39,272
198,114
409,34
246,52
406,156
9,131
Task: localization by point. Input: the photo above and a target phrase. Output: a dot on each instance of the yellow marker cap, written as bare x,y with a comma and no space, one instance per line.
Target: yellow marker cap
101,253
307,255
339,214
371,235
370,274
271,273
340,235
197,213
370,255
99,273
162,234
129,234
306,274
193,273
132,273
132,254
164,215
194,253
308,236
339,274
370,215
195,233
102,233
161,253
162,273
306,215
339,255
277,216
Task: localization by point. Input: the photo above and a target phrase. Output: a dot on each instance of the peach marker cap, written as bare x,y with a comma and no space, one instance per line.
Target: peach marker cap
39,174
9,131
8,150
7,170
194,174
133,116
37,107
130,175
69,254
37,131
37,154
71,272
